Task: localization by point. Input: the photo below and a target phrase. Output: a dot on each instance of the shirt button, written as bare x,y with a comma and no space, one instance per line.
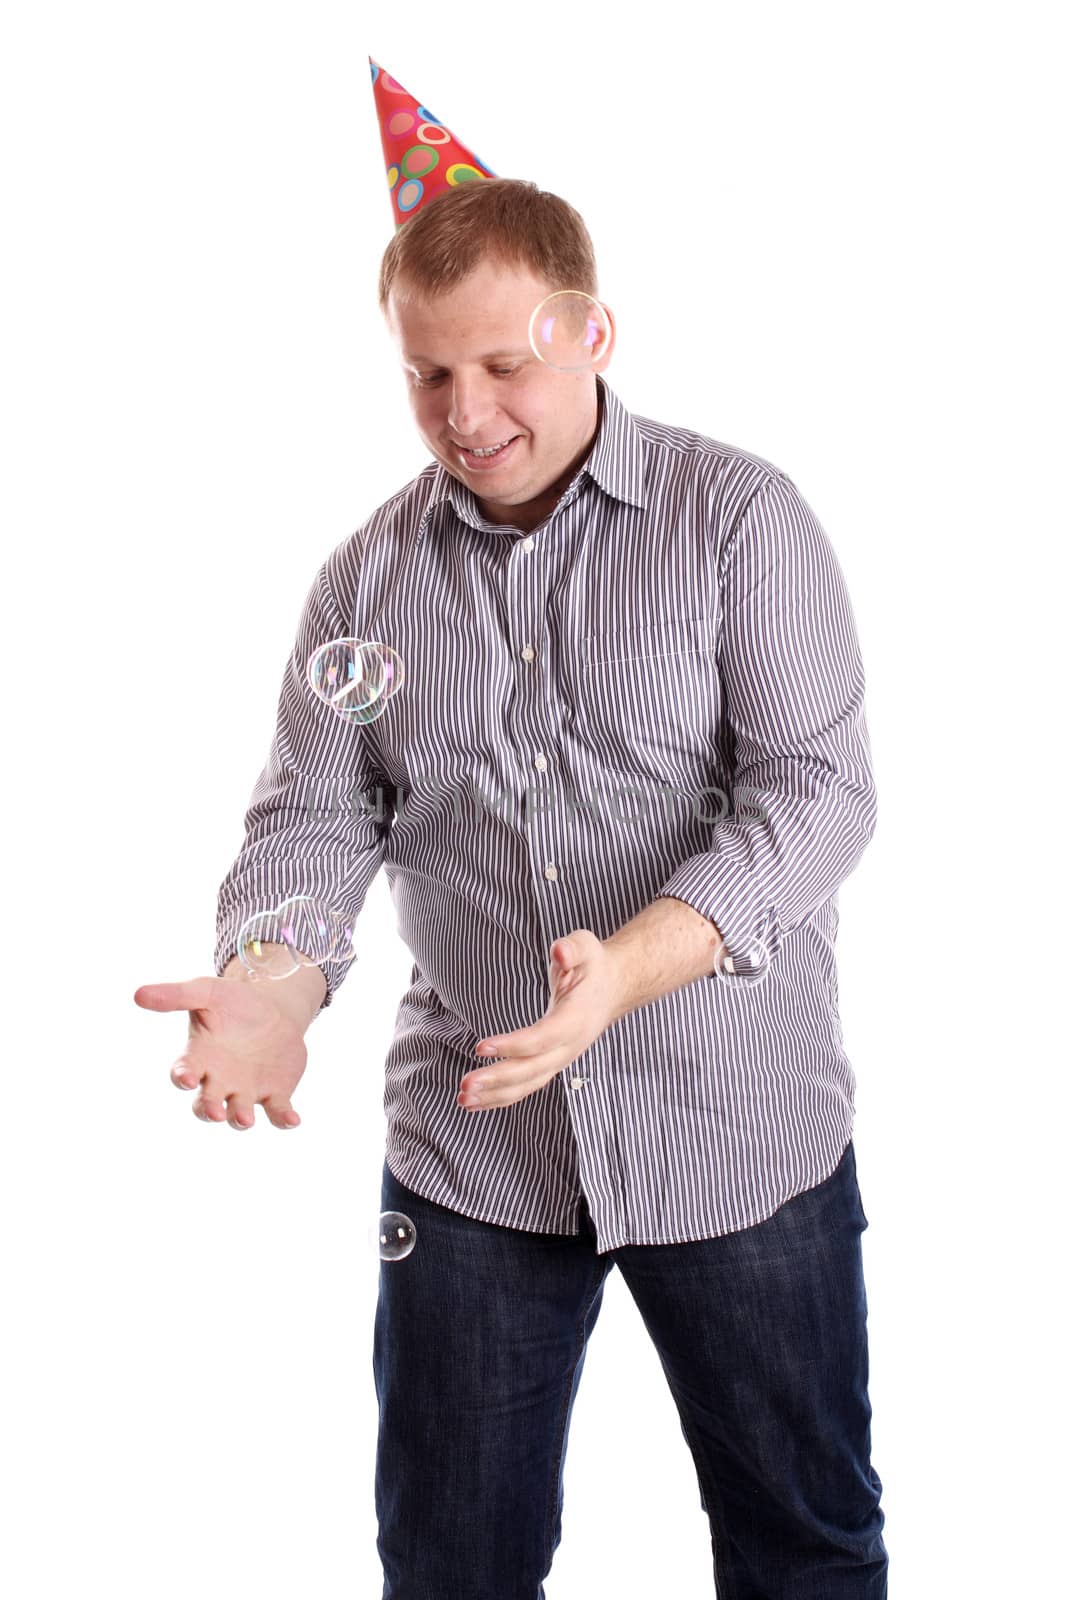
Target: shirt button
527,545
577,1083
540,762
728,963
528,652
551,873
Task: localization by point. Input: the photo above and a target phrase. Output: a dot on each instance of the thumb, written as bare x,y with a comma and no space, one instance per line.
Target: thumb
191,996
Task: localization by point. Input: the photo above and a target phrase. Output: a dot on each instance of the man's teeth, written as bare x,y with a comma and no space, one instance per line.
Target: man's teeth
490,452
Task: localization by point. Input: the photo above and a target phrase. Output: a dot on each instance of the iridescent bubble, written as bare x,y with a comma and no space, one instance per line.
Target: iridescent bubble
392,669
348,675
394,1237
300,931
355,677
313,930
259,945
570,331
758,953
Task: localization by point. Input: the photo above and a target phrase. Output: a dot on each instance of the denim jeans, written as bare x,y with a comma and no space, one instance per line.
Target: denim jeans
479,1344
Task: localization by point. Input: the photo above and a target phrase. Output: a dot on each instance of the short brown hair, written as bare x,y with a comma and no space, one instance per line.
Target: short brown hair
506,218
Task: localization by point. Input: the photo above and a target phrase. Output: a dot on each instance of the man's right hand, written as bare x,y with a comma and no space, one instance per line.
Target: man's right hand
246,1041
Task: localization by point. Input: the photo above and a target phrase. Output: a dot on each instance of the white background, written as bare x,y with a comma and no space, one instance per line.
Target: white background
828,233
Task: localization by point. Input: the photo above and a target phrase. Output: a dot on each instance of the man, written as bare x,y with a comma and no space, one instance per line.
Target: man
609,609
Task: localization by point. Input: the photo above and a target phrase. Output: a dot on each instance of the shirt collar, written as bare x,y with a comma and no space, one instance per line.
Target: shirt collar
615,463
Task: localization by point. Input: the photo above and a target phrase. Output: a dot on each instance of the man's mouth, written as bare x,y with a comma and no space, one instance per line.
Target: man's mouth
483,456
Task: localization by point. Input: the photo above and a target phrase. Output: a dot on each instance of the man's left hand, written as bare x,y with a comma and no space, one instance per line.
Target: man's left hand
586,994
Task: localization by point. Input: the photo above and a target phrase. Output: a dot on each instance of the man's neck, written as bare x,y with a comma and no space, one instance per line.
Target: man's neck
530,516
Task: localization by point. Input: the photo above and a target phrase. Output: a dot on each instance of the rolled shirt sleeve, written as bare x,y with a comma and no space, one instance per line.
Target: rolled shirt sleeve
804,801
318,816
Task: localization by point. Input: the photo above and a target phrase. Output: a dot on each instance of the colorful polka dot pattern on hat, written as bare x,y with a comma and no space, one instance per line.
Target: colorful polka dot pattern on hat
423,158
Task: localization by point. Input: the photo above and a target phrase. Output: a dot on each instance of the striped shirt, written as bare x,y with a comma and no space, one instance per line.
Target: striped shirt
658,691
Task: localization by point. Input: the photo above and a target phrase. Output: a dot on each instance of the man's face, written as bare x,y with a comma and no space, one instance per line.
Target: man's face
473,381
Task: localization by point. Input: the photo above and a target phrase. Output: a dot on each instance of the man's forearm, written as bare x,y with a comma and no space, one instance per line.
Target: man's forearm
300,994
663,948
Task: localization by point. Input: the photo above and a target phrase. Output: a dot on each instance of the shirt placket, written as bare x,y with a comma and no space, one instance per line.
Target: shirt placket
550,830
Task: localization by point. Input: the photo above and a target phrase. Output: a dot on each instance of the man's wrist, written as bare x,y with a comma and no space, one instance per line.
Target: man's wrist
299,995
665,947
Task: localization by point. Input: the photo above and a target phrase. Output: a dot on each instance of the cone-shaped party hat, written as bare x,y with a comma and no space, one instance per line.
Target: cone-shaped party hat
423,158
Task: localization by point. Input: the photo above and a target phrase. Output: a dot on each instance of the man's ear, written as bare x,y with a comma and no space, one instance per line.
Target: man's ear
602,363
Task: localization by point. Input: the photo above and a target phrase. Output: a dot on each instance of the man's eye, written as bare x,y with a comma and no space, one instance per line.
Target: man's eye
428,381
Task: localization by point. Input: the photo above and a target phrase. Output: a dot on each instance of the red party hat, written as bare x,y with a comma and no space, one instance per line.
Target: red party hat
423,159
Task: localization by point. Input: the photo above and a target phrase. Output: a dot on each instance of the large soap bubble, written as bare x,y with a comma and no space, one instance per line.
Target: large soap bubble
355,677
570,331
299,932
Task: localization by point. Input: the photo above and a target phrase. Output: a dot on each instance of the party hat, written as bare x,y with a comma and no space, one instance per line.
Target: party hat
423,158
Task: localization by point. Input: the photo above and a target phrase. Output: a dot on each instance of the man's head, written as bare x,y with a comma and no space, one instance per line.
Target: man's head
458,283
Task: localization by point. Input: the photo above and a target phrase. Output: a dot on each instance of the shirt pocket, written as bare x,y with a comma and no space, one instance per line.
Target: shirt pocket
684,636
649,694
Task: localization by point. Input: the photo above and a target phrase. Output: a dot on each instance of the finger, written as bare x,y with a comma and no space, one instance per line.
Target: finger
209,1108
184,1075
507,1094
525,1046
487,1083
240,1114
191,996
280,1111
524,1042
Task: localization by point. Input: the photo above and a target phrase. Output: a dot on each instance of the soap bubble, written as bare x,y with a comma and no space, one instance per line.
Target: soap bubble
355,677
570,331
304,932
394,1236
758,954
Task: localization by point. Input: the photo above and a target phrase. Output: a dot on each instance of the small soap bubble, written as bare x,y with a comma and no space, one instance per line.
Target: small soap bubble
392,669
263,950
301,931
355,677
758,954
394,1236
313,930
570,331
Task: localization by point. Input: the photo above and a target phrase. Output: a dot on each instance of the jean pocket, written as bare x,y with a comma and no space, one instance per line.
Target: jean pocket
851,1153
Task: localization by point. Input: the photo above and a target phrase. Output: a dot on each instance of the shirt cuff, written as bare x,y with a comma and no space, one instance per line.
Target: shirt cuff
229,926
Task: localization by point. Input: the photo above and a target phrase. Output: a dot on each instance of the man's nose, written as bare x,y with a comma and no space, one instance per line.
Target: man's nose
473,404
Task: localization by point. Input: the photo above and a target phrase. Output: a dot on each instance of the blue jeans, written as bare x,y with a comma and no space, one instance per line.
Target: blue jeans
479,1344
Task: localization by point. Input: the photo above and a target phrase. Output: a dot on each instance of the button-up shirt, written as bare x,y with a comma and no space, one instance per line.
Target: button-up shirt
657,691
